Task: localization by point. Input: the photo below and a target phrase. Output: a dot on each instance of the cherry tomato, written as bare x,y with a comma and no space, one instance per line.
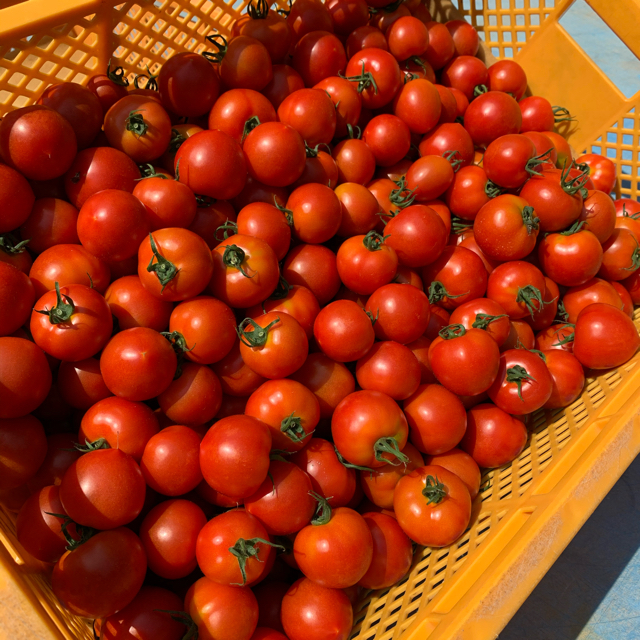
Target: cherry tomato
465,37
602,171
567,375
311,113
593,291
537,114
50,222
462,464
508,76
318,54
24,448
446,137
408,37
491,115
359,209
235,107
518,287
314,267
621,255
346,100
17,295
236,378
483,313
467,193
385,71
429,177
465,72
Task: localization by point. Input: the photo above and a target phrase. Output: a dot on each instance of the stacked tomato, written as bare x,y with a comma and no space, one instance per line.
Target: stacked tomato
264,319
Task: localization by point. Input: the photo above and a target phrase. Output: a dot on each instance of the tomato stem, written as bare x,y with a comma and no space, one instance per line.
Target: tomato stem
373,318
373,241
234,256
250,125
312,152
450,156
483,320
561,114
85,533
220,43
401,197
151,85
434,490
9,244
348,465
458,225
164,269
452,331
354,131
136,124
635,258
288,214
573,185
258,11
561,313
292,427
479,90
437,291
229,228
281,291
62,311
518,374
323,509
243,550
492,190
117,75
389,445
528,295
183,618
257,337
100,443
533,163
149,171
177,139
364,80
568,338
530,220
574,228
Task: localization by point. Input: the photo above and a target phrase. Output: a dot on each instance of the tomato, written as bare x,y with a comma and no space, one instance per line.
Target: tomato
507,76
465,72
568,378
467,194
236,378
493,438
244,62
602,171
605,337
449,136
314,267
146,616
510,160
408,37
138,364
316,212
168,203
60,454
102,575
465,37
388,137
483,313
490,116
311,113
365,37
632,284
383,68
209,217
432,505
109,87
455,277
289,409
441,46
50,222
318,55
520,336
309,609
448,105
359,206
269,596
621,255
369,429
124,425
268,27
391,368
16,199
334,551
462,464
592,291
518,287
284,503
537,114
429,177
17,295
234,455
346,100
24,448
264,221
25,377
355,161
391,305
235,107
38,142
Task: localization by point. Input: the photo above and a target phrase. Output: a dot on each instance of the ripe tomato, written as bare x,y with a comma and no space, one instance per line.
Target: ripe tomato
138,364
441,46
621,255
369,429
355,161
359,209
346,100
465,73
24,448
265,221
508,76
268,27
510,160
234,455
17,295
429,177
537,114
518,287
311,113
314,267
467,193
102,575
16,199
462,464
592,291
234,108
432,505
408,37
244,63
388,137
602,171
493,438
236,378
465,37
449,136
384,70
605,337
491,115
168,203
50,222
483,313
318,54
316,212
567,375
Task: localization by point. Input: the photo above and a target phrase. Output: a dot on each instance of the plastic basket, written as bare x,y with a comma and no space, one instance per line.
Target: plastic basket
530,509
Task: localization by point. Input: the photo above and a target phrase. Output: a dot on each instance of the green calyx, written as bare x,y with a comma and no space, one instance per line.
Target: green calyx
234,256
348,465
117,75
288,213
574,228
136,124
364,80
220,43
560,114
323,510
281,291
354,131
529,295
434,490
151,84
177,140
529,219
183,618
292,427
453,157
401,198
452,331
164,269
85,533
626,214
567,338
573,185
149,171
533,163
312,152
518,374
259,10
635,259
437,291
179,345
100,443
373,318
257,337
483,320
373,241
244,550
63,309
229,228
492,190
458,225
389,445
9,244
561,314
480,89
250,125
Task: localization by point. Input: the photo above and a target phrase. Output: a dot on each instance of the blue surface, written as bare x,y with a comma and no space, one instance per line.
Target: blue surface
592,592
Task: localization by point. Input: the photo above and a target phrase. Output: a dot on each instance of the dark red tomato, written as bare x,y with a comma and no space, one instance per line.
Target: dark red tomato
632,285
316,212
168,203
236,378
570,259
439,319
355,161
449,136
509,160
391,368
79,106
60,454
245,64
169,533
508,76
483,313
75,325
432,505
14,253
103,489
320,168
448,105
441,46
138,364
199,153
593,291
51,222
621,255
408,37
385,71
369,429
24,447
188,84
365,37
461,101
330,381
221,611
309,608
493,438
467,194
523,383
490,116
346,100
429,177
605,337
465,37
506,228
269,596
465,73
209,217
319,55
285,81
462,464
17,295
567,376
268,27
289,409
314,267
38,142
384,19
465,362
329,477
109,87
101,576
235,107
97,169
25,377
16,199
234,455
456,277
392,305
311,113
275,154
518,287
145,616
537,114
420,349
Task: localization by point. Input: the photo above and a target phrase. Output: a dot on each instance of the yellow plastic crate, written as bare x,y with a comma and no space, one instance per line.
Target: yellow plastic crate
530,509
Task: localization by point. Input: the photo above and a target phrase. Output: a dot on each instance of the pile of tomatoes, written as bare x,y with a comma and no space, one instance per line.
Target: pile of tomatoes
263,320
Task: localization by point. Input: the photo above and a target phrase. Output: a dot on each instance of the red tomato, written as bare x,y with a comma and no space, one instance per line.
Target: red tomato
209,217
51,222
268,27
60,454
244,63
462,464
365,37
483,313
465,73
236,378
359,209
490,116
432,505
518,287
17,295
311,113
621,255
465,37
408,37
318,54
592,291
346,100
449,136
510,160
314,267
24,448
429,177
316,212
16,199
355,161
567,375
236,108
168,203
556,336
602,171
383,68
537,114
265,221
467,193
388,137
508,76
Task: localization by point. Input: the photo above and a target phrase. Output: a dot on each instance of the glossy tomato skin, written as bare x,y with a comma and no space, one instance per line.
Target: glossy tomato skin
605,337
467,315
446,137
602,171
317,213
309,608
567,375
507,283
493,438
138,364
318,55
490,116
465,40
234,107
236,378
265,221
101,576
24,447
436,524
246,64
168,203
386,72
234,455
465,72
51,222
466,194
621,256
361,421
314,267
593,291
311,113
